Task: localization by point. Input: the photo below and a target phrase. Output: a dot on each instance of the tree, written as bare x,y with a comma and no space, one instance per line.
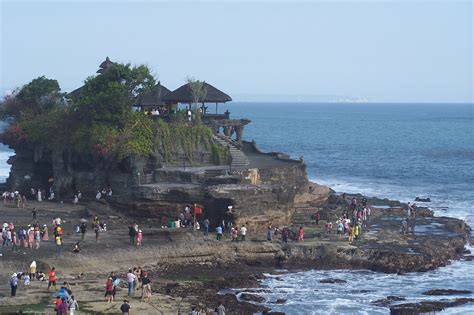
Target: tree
107,98
34,98
198,90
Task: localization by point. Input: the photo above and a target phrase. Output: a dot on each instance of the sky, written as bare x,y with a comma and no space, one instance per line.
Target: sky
383,51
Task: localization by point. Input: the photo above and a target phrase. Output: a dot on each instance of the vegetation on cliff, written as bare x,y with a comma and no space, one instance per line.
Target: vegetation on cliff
98,123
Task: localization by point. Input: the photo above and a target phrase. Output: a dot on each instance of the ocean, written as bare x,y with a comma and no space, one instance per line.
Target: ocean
398,151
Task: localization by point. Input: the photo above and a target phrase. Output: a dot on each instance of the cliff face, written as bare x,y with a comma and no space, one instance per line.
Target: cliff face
261,193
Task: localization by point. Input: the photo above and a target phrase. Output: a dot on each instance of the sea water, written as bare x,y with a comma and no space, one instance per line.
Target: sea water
397,151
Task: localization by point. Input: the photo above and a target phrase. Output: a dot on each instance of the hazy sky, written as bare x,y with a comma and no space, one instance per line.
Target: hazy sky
393,51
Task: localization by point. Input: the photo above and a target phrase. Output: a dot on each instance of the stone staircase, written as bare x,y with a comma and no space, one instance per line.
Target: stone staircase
239,159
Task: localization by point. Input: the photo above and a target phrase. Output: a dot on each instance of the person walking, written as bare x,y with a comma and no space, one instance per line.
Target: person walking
269,233
34,213
59,244
125,307
52,278
13,284
139,238
317,217
131,281
301,234
243,233
109,290
73,306
83,230
219,232
146,287
206,227
132,233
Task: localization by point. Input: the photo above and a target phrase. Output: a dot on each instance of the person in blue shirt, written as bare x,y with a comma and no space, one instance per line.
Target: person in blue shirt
219,232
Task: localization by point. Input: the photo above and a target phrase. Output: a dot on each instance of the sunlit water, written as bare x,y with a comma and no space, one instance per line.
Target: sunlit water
384,150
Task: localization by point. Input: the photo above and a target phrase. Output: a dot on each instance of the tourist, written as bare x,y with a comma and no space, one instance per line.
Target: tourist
356,231
125,307
59,244
63,307
317,217
37,236
13,284
39,196
76,249
206,226
139,238
44,233
98,195
194,311
75,200
220,309
301,234
234,234
146,287
243,233
115,282
97,233
131,277
284,235
339,227
73,306
57,304
26,279
83,230
109,288
34,213
219,232
351,232
189,114
52,278
40,276
14,241
404,226
132,233
31,236
269,233
33,269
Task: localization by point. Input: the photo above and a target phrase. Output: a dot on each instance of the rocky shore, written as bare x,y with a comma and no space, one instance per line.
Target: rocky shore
189,269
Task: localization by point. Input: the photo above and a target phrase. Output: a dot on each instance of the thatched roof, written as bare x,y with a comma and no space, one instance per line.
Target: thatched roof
153,97
104,65
183,95
75,94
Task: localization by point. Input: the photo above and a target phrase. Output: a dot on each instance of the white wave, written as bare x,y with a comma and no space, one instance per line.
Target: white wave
4,167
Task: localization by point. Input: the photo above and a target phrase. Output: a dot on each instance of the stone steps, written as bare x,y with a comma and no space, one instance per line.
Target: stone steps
238,157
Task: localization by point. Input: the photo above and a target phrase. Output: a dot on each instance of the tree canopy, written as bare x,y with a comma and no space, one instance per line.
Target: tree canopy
99,121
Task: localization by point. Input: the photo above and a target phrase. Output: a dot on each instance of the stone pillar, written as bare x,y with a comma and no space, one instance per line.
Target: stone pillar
227,130
239,132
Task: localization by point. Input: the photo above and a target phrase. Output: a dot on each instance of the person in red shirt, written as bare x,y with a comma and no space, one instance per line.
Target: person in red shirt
57,304
52,278
109,290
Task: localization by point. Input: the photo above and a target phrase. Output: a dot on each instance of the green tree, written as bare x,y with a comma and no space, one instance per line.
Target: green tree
34,98
107,98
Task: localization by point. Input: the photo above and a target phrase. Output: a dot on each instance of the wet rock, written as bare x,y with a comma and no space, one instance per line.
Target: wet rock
420,199
427,306
468,258
388,300
251,298
331,280
280,301
446,292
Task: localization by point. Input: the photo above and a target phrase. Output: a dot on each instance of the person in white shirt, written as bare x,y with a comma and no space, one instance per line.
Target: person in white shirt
131,277
243,232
